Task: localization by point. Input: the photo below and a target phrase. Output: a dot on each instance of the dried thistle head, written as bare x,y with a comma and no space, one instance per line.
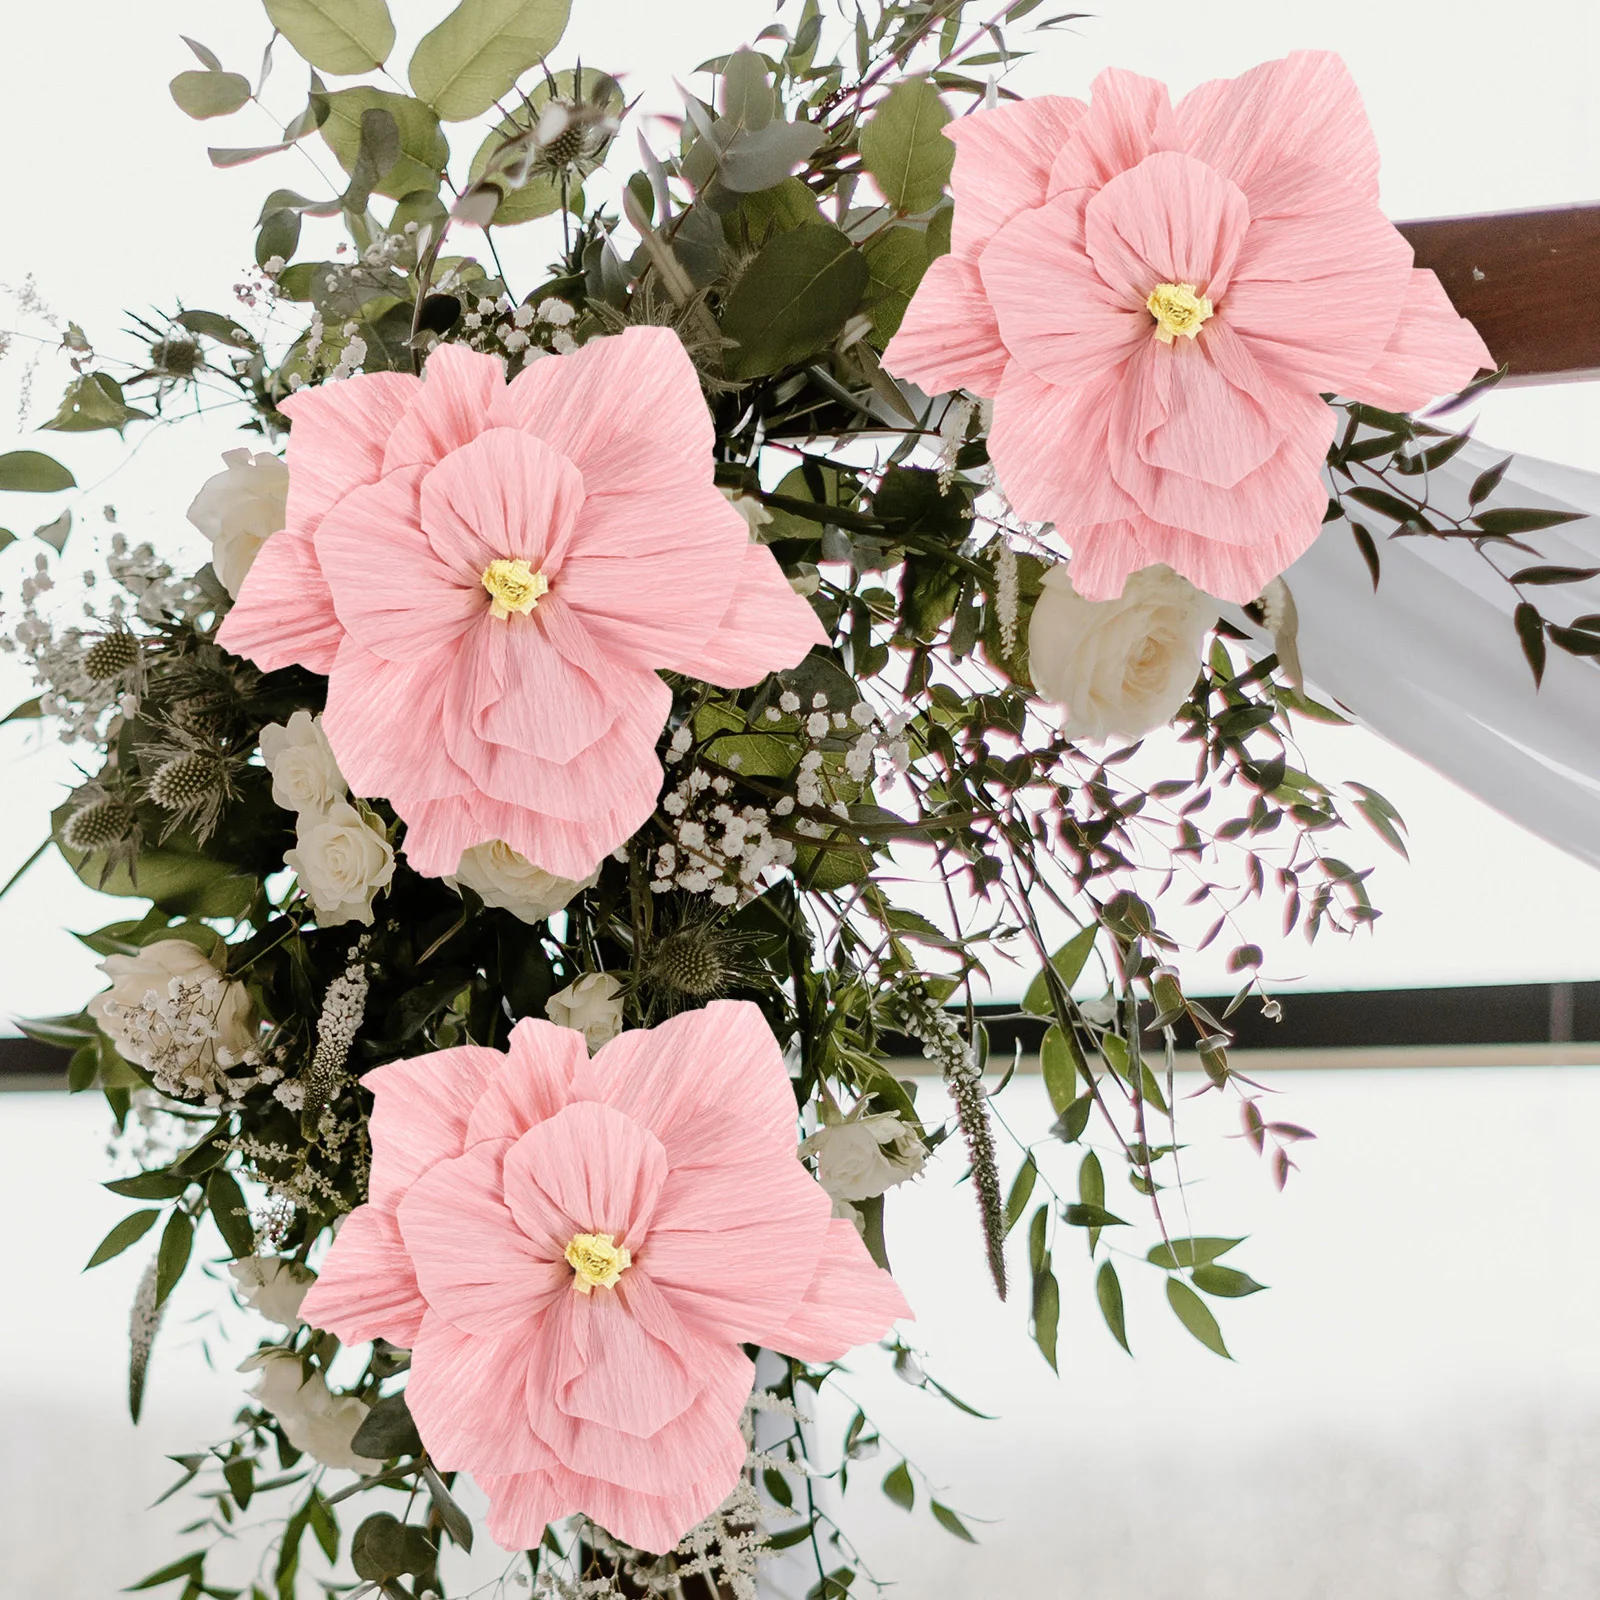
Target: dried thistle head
105,824
697,961
189,776
115,655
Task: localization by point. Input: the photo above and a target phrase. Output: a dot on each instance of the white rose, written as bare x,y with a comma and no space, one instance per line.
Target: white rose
859,1158
272,1286
499,876
1118,668
305,776
313,1418
589,1005
342,860
189,1040
239,510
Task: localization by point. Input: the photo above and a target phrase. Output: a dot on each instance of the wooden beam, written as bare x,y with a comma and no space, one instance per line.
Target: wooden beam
1526,279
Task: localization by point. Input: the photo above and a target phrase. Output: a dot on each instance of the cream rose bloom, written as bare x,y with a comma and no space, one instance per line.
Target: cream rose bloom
305,776
590,1005
342,860
859,1158
313,1418
238,510
197,1022
273,1286
1118,668
499,876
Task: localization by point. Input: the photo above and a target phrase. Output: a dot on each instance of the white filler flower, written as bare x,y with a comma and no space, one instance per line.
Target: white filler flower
590,1005
238,510
499,876
305,776
273,1286
859,1158
313,1418
1118,668
342,860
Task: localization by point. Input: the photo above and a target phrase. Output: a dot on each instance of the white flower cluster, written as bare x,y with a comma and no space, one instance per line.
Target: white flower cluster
313,1418
873,736
516,328
343,1008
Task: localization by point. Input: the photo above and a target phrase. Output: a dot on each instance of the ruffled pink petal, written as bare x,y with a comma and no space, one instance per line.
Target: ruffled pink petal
1003,161
501,496
709,1084
1433,351
1317,295
1057,316
458,386
474,1266
463,1393
618,406
850,1301
393,594
533,1082
1305,107
1128,118
647,597
367,1289
1171,219
385,721
340,432
522,1505
587,1169
1191,420
766,628
284,613
420,1113
768,1220
633,1380
948,338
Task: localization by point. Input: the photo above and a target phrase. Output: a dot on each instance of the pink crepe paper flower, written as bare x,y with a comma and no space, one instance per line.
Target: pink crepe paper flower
574,1249
491,576
1155,297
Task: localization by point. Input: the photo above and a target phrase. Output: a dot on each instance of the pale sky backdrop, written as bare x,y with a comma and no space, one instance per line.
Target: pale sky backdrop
112,205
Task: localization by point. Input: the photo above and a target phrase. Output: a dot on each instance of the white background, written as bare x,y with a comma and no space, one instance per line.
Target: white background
1414,1409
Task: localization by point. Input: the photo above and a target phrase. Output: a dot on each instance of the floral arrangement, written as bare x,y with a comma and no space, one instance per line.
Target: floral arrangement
525,808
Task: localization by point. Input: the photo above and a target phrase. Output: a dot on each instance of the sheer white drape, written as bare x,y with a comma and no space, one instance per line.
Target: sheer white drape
1430,661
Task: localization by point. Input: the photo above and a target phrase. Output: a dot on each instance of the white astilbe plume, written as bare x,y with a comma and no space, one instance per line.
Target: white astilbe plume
343,1007
1006,598
143,1322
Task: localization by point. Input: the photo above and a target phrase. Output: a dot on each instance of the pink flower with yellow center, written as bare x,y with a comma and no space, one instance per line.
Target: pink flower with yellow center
1156,297
575,1249
492,575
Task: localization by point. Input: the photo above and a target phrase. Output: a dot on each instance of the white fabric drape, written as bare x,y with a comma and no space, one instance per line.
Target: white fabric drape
1430,661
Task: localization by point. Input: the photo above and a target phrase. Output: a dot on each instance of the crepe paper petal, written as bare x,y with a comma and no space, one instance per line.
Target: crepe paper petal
341,431
284,612
1002,166
948,337
1432,352
1129,118
616,1391
458,386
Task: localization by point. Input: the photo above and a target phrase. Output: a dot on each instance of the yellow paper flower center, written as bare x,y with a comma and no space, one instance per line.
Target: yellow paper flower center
597,1260
1178,311
513,586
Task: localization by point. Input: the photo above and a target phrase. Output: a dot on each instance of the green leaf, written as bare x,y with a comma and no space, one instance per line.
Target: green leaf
1555,574
1530,633
1108,1291
385,1548
1069,962
190,1566
1512,520
1021,1189
904,148
480,50
240,1474
1226,1282
950,1522
792,300
423,152
337,36
896,259
209,94
1192,1313
230,1214
1046,1314
1193,1252
747,99
150,1186
7,537
388,1431
177,1239
129,1231
93,401
452,1518
1083,1215
897,1485
1059,1069
55,533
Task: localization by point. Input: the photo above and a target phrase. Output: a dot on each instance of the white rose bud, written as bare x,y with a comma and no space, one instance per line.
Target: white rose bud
591,1006
313,1418
141,1035
342,860
499,876
239,510
305,776
859,1158
273,1286
1118,668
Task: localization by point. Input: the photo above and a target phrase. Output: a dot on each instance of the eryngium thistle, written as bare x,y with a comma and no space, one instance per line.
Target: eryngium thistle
99,825
111,656
186,782
175,357
691,961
